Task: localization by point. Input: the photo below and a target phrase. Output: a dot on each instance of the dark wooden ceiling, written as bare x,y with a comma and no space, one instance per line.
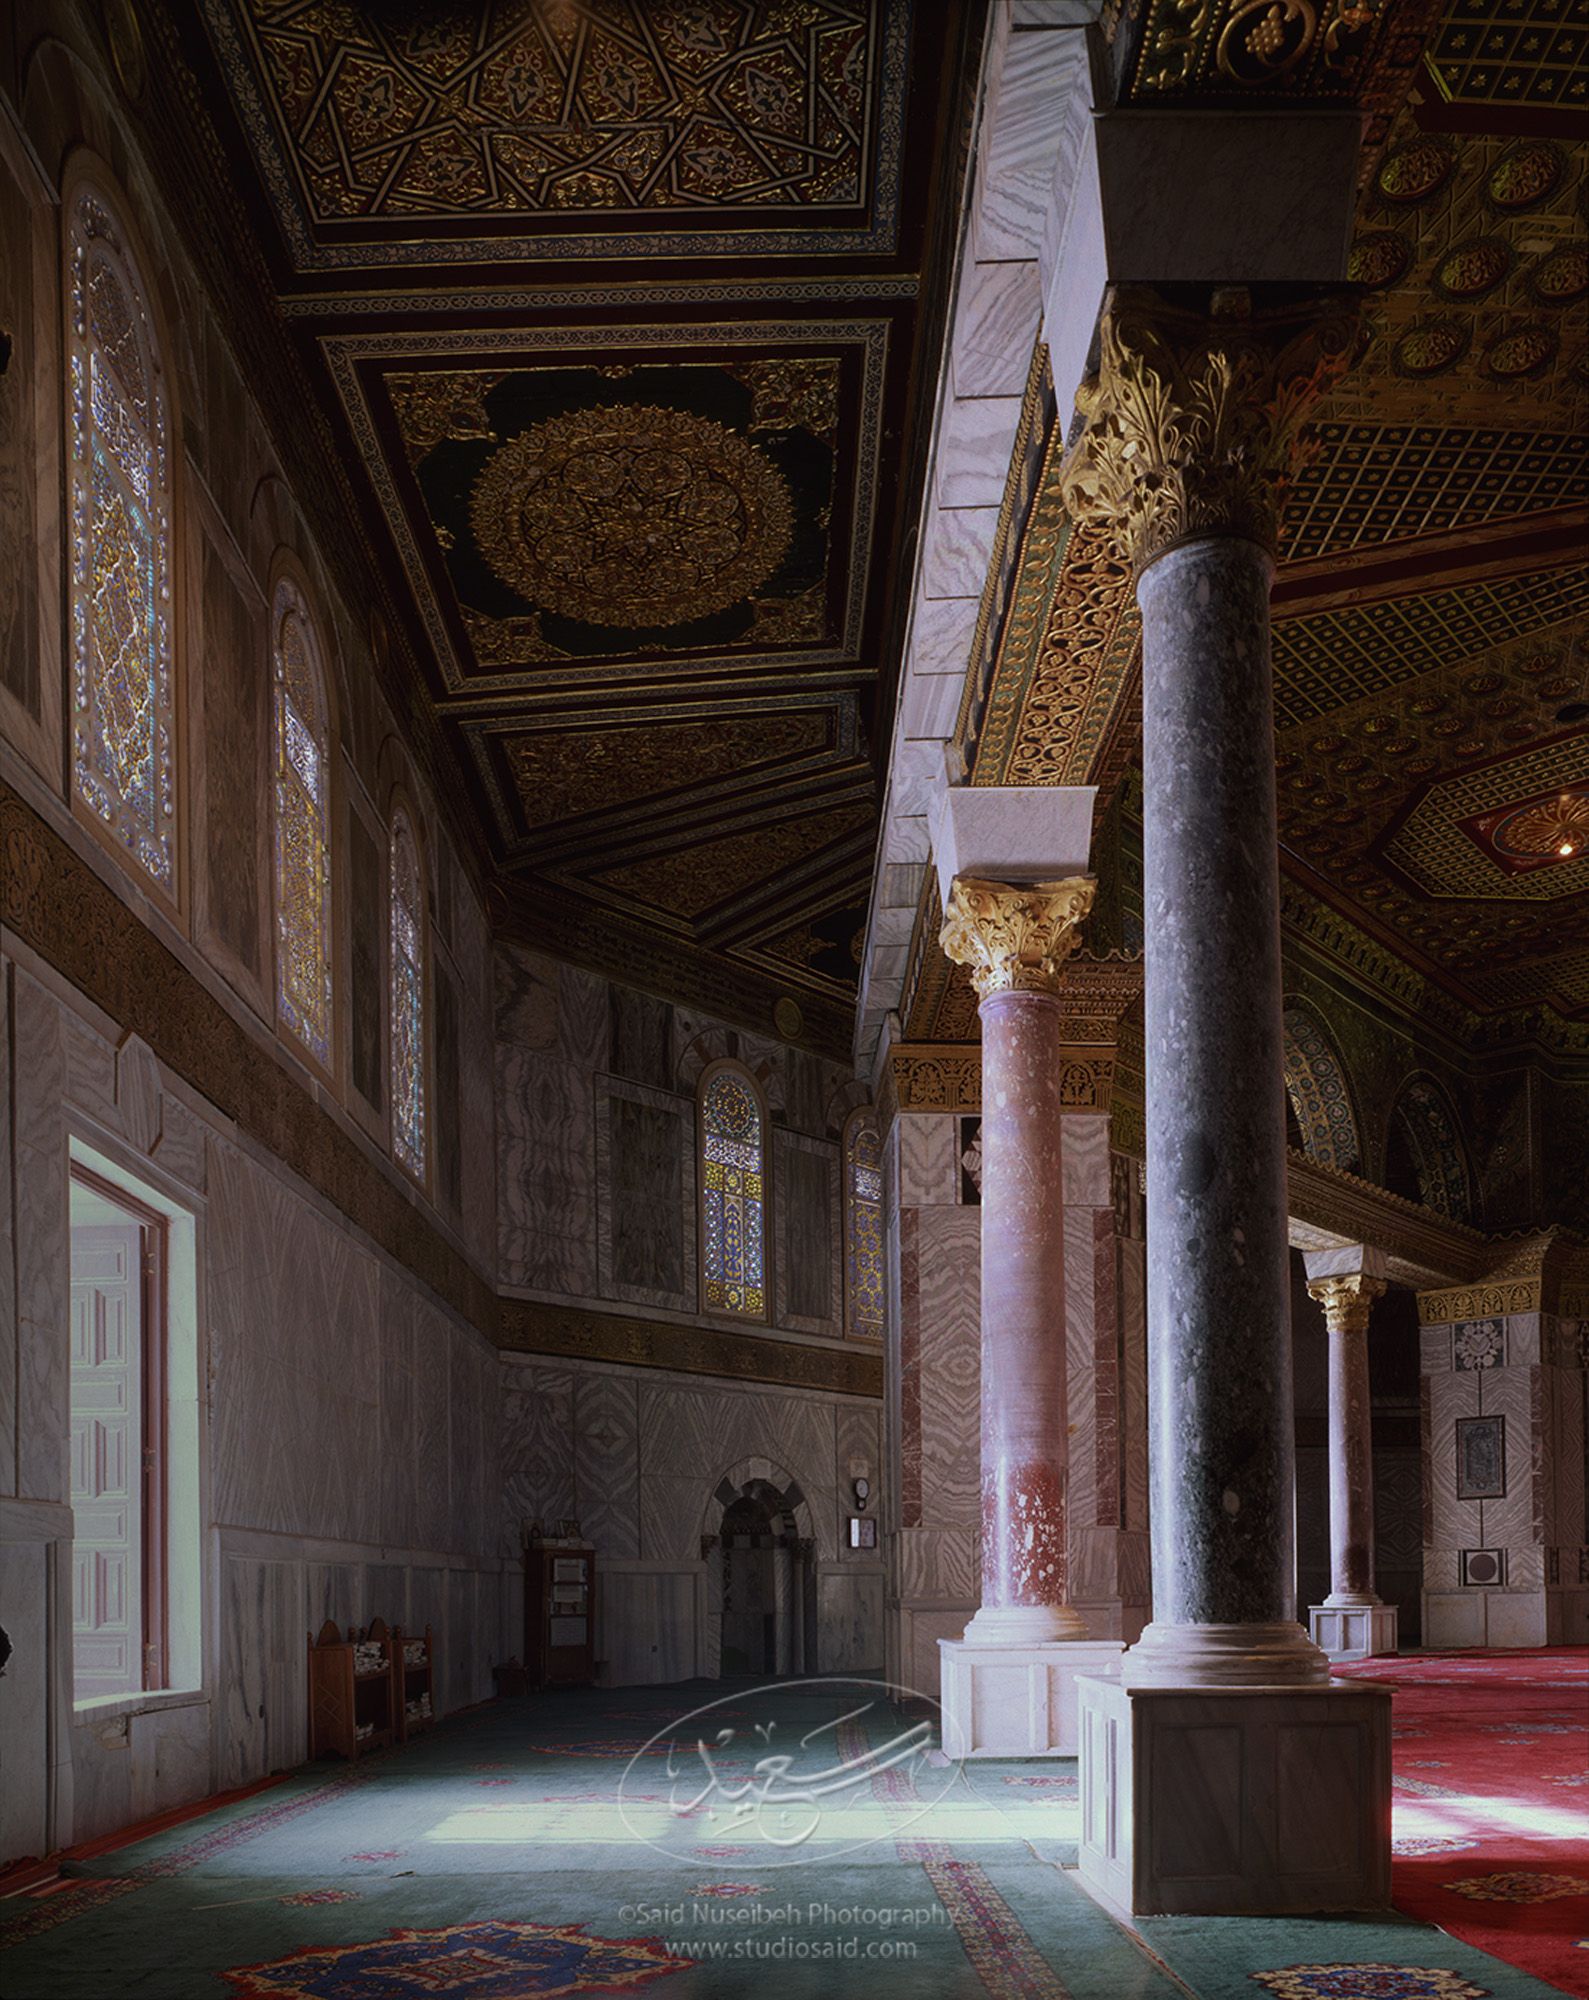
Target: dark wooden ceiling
622,314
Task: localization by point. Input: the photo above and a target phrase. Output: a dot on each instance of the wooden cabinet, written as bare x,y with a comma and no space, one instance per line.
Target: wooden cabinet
351,1691
560,1614
413,1683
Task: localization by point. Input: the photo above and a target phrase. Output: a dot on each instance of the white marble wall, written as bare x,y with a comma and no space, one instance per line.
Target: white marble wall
638,1456
348,1442
1525,1370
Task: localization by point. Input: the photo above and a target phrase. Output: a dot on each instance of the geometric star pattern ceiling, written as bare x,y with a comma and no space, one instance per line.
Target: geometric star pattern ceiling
620,303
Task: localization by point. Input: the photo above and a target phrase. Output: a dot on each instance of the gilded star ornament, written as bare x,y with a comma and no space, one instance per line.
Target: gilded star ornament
1193,423
1015,939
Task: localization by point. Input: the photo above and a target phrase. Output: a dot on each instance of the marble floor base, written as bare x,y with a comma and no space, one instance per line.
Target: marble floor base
1235,1801
1353,1631
1017,1701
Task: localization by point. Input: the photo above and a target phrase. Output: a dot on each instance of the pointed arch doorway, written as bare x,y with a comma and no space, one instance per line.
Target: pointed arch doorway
761,1577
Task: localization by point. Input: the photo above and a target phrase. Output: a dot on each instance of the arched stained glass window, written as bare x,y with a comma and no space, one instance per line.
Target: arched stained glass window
302,756
863,1226
733,1194
123,694
408,999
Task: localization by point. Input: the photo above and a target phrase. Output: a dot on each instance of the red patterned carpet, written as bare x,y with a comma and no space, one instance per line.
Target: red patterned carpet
1491,1809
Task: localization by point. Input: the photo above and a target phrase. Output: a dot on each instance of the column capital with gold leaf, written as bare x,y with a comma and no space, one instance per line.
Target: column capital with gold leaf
1194,424
1015,938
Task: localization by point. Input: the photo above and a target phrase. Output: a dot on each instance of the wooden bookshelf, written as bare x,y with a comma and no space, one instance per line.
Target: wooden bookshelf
351,1690
413,1683
560,1614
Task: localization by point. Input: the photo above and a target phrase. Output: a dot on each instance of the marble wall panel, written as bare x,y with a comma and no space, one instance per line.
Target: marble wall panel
607,1463
24,1795
805,1202
399,1420
546,1184
260,1718
1080,1341
1517,1520
583,1019
537,1449
641,1031
8,1292
1085,1157
849,1622
937,1565
805,1093
675,1510
645,1171
40,1240
1452,1523
925,1163
949,1242
446,1060
1131,1276
525,993
1565,1503
19,468
646,1627
858,1452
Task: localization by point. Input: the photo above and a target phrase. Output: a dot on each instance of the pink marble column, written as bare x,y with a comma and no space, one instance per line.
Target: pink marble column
1347,1301
1016,941
1023,1328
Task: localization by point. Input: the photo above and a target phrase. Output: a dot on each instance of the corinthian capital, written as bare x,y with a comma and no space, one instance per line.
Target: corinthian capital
1193,422
1347,1300
1015,939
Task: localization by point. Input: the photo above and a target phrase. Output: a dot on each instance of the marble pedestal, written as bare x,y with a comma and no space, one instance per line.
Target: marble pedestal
1353,1631
1014,1700
1235,1801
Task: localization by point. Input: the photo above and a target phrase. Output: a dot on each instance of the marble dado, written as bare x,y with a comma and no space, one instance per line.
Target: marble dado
349,1440
643,1463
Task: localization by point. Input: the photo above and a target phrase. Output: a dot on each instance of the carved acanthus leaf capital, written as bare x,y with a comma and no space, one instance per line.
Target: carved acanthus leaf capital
1193,423
1015,939
1347,1300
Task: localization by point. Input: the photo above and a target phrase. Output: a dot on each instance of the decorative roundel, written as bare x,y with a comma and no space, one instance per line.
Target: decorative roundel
1535,831
1521,353
1562,277
1414,172
1525,174
1431,347
1473,268
1378,259
632,516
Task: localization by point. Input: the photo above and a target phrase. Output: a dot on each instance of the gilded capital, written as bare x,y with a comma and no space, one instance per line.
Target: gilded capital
1193,424
1015,939
1347,1300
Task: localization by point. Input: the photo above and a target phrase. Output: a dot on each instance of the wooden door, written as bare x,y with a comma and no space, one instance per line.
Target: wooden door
107,1458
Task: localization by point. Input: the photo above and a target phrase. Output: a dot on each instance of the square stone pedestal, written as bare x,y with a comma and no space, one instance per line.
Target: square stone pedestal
1017,1701
1235,1802
1353,1631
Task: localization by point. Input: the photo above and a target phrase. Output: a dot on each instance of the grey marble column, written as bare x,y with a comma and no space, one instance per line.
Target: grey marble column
1191,431
1219,1331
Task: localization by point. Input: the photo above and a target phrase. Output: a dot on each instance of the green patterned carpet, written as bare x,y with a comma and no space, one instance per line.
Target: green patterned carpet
524,1850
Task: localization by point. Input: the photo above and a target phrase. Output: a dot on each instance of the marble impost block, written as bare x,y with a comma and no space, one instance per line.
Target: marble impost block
1240,1802
1353,1631
1004,1700
1011,833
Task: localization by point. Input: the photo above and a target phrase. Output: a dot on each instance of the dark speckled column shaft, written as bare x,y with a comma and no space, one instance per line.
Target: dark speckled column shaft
1023,1326
1219,1356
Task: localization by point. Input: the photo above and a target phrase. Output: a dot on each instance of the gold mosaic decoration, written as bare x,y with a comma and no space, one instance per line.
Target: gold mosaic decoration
1523,54
631,516
1258,48
1333,658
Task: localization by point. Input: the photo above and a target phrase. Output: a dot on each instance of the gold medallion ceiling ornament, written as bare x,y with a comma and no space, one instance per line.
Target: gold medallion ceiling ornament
423,134
633,517
1541,834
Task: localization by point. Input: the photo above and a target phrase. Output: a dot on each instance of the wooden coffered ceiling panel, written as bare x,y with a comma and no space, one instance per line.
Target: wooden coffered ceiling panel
620,307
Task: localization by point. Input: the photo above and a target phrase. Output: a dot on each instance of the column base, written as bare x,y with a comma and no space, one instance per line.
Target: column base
1274,1655
1353,1631
1016,1700
1235,1802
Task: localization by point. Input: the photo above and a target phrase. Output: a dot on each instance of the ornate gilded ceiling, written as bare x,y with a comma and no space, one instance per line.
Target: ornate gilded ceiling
619,303
1432,605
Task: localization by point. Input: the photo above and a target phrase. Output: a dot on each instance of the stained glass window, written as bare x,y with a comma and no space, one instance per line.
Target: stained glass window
123,695
863,1226
408,999
302,748
733,1194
